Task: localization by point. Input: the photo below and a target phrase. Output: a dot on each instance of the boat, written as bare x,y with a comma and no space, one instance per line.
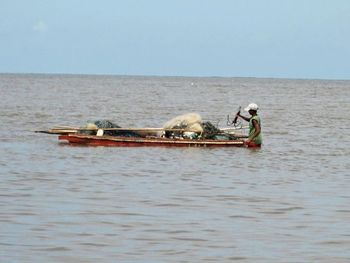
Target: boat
120,141
173,134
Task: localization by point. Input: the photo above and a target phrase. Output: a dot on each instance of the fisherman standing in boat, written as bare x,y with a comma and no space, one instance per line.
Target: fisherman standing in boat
255,137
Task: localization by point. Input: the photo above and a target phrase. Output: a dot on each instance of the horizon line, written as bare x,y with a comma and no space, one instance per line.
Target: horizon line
169,76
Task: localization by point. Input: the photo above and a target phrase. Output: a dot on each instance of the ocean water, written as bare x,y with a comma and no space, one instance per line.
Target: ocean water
286,202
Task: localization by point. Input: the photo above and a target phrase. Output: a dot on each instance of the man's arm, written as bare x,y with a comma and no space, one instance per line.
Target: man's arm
243,117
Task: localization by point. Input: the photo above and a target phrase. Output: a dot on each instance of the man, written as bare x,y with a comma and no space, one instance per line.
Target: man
255,137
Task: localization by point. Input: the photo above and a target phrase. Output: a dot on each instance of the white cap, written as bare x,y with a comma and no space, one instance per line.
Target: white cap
251,106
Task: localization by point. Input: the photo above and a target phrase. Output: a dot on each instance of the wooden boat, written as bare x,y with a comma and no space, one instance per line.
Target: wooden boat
145,137
93,140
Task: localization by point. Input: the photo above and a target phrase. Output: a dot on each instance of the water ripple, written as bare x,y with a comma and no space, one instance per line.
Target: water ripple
285,202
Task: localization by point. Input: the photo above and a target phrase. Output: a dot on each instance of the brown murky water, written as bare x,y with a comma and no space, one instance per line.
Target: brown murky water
286,202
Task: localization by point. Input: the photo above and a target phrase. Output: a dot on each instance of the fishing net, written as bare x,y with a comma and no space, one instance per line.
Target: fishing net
209,130
189,121
192,126
105,124
186,122
184,126
213,133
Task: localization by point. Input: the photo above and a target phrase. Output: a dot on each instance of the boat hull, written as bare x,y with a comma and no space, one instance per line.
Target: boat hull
79,139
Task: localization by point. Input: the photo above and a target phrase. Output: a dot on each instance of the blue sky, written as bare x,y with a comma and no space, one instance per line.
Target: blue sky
233,38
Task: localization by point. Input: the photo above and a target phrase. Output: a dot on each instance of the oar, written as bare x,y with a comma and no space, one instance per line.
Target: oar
234,128
57,130
116,129
75,129
69,129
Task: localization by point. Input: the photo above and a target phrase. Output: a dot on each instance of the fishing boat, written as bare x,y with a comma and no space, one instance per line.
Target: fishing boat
145,137
93,140
183,131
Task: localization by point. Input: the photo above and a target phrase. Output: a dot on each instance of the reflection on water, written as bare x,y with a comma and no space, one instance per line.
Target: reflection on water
286,202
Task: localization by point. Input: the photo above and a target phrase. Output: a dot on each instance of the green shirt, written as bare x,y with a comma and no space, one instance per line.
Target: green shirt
257,139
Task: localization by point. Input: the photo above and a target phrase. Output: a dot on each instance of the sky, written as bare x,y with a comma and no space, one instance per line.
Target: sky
228,38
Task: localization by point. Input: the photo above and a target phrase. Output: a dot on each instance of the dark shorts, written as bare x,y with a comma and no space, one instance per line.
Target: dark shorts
253,145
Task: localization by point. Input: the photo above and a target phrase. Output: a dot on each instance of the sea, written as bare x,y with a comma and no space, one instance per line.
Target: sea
288,201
